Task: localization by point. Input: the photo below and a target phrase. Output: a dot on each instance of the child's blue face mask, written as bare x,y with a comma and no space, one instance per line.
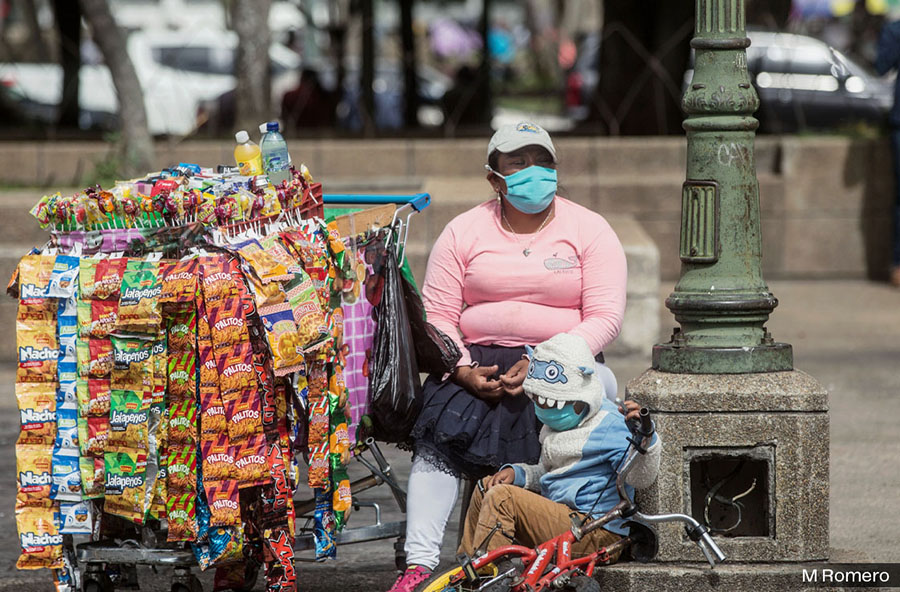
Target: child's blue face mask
530,190
560,419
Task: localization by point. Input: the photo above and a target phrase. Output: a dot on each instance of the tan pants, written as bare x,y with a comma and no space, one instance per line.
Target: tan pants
529,517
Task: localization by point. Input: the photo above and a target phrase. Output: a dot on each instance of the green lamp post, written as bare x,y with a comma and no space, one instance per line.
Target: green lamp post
721,300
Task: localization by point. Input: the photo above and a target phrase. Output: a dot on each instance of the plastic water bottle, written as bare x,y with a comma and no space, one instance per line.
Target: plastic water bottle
247,155
276,160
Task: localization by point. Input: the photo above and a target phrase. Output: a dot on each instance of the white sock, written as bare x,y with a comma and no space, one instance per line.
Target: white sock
430,497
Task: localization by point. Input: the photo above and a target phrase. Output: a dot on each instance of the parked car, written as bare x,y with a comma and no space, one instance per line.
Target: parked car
216,116
802,83
177,70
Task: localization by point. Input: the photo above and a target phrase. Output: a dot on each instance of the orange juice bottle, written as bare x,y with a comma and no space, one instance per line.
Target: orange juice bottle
247,155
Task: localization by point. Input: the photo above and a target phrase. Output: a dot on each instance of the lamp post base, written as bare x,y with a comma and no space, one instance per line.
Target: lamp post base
681,359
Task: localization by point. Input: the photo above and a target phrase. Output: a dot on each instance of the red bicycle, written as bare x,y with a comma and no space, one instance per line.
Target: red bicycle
550,566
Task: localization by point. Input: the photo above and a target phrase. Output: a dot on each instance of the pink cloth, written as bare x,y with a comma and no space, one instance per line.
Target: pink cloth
480,285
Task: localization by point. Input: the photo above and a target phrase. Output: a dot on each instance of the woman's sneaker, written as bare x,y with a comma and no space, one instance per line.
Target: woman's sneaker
410,579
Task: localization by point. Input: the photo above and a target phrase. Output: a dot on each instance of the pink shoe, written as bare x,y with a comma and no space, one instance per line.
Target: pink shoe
410,579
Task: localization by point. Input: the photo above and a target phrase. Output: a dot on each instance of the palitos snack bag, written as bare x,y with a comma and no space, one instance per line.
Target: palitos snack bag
39,536
180,285
182,517
219,279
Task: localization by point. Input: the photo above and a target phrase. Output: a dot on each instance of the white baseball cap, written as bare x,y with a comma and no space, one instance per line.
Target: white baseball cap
513,136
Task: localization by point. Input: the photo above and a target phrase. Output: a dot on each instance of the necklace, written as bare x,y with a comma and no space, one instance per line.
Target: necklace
527,250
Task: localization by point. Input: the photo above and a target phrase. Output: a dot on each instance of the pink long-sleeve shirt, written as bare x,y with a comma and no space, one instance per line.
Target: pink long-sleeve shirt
478,284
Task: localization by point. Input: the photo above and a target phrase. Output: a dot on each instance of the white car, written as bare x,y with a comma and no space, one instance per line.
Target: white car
177,71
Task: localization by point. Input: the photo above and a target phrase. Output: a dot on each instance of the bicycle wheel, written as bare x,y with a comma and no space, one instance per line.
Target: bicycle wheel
443,582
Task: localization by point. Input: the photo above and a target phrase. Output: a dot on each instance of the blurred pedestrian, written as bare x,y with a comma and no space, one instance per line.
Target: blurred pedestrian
888,59
310,104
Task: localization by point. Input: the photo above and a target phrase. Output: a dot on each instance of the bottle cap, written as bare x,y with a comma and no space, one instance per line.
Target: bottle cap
272,126
263,128
242,137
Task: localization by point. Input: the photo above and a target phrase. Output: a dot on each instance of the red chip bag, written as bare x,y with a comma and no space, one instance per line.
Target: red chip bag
224,504
250,462
218,459
242,412
235,366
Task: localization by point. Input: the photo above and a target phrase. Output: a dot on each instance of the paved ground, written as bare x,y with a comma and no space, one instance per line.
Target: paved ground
844,333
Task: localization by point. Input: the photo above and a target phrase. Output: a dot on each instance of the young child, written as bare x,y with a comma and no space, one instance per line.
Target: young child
583,440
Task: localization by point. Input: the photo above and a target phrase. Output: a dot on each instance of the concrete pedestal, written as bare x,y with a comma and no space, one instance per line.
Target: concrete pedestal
776,423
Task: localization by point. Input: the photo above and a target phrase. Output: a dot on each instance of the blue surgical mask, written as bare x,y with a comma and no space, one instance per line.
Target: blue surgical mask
530,190
560,419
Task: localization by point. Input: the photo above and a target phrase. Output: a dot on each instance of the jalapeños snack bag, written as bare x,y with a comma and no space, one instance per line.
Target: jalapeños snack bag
125,486
139,307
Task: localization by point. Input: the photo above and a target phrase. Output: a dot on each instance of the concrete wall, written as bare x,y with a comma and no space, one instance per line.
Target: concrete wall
825,201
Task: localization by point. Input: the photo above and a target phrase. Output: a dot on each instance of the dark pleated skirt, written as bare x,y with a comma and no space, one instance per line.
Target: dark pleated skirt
468,437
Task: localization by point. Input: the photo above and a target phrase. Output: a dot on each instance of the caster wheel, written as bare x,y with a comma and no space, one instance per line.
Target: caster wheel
191,585
99,583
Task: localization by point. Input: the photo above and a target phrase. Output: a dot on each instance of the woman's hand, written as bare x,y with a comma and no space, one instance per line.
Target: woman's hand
478,381
514,377
505,475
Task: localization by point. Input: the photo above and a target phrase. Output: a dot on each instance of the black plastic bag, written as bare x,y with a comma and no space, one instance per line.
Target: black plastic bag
436,353
395,391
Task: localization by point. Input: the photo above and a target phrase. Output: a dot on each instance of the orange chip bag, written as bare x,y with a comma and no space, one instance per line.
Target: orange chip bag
38,351
218,458
228,323
34,278
179,283
209,372
250,462
235,366
35,477
266,267
242,411
212,411
39,535
37,412
219,279
224,507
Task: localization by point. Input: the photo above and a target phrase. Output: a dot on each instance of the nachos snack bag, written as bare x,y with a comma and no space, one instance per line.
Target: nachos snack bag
35,272
64,277
182,517
179,284
125,486
33,465
39,536
37,412
182,470
35,312
224,506
38,352
93,475
108,278
129,420
218,458
87,273
139,306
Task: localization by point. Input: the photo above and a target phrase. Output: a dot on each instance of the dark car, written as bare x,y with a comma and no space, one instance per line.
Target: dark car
802,84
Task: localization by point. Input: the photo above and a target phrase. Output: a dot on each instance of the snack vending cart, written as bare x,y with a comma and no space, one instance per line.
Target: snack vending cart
195,355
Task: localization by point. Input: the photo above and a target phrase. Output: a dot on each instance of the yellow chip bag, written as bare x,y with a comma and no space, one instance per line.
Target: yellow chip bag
33,468
39,535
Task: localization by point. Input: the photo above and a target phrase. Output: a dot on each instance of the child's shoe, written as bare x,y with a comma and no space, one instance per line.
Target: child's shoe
411,578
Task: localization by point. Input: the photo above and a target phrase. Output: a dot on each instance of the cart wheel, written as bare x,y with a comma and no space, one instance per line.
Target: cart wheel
192,585
96,583
400,553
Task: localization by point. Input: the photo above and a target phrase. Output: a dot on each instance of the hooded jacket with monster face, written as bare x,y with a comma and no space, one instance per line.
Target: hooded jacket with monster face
579,464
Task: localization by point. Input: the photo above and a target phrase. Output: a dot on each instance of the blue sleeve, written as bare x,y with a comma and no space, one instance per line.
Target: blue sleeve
888,49
519,481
